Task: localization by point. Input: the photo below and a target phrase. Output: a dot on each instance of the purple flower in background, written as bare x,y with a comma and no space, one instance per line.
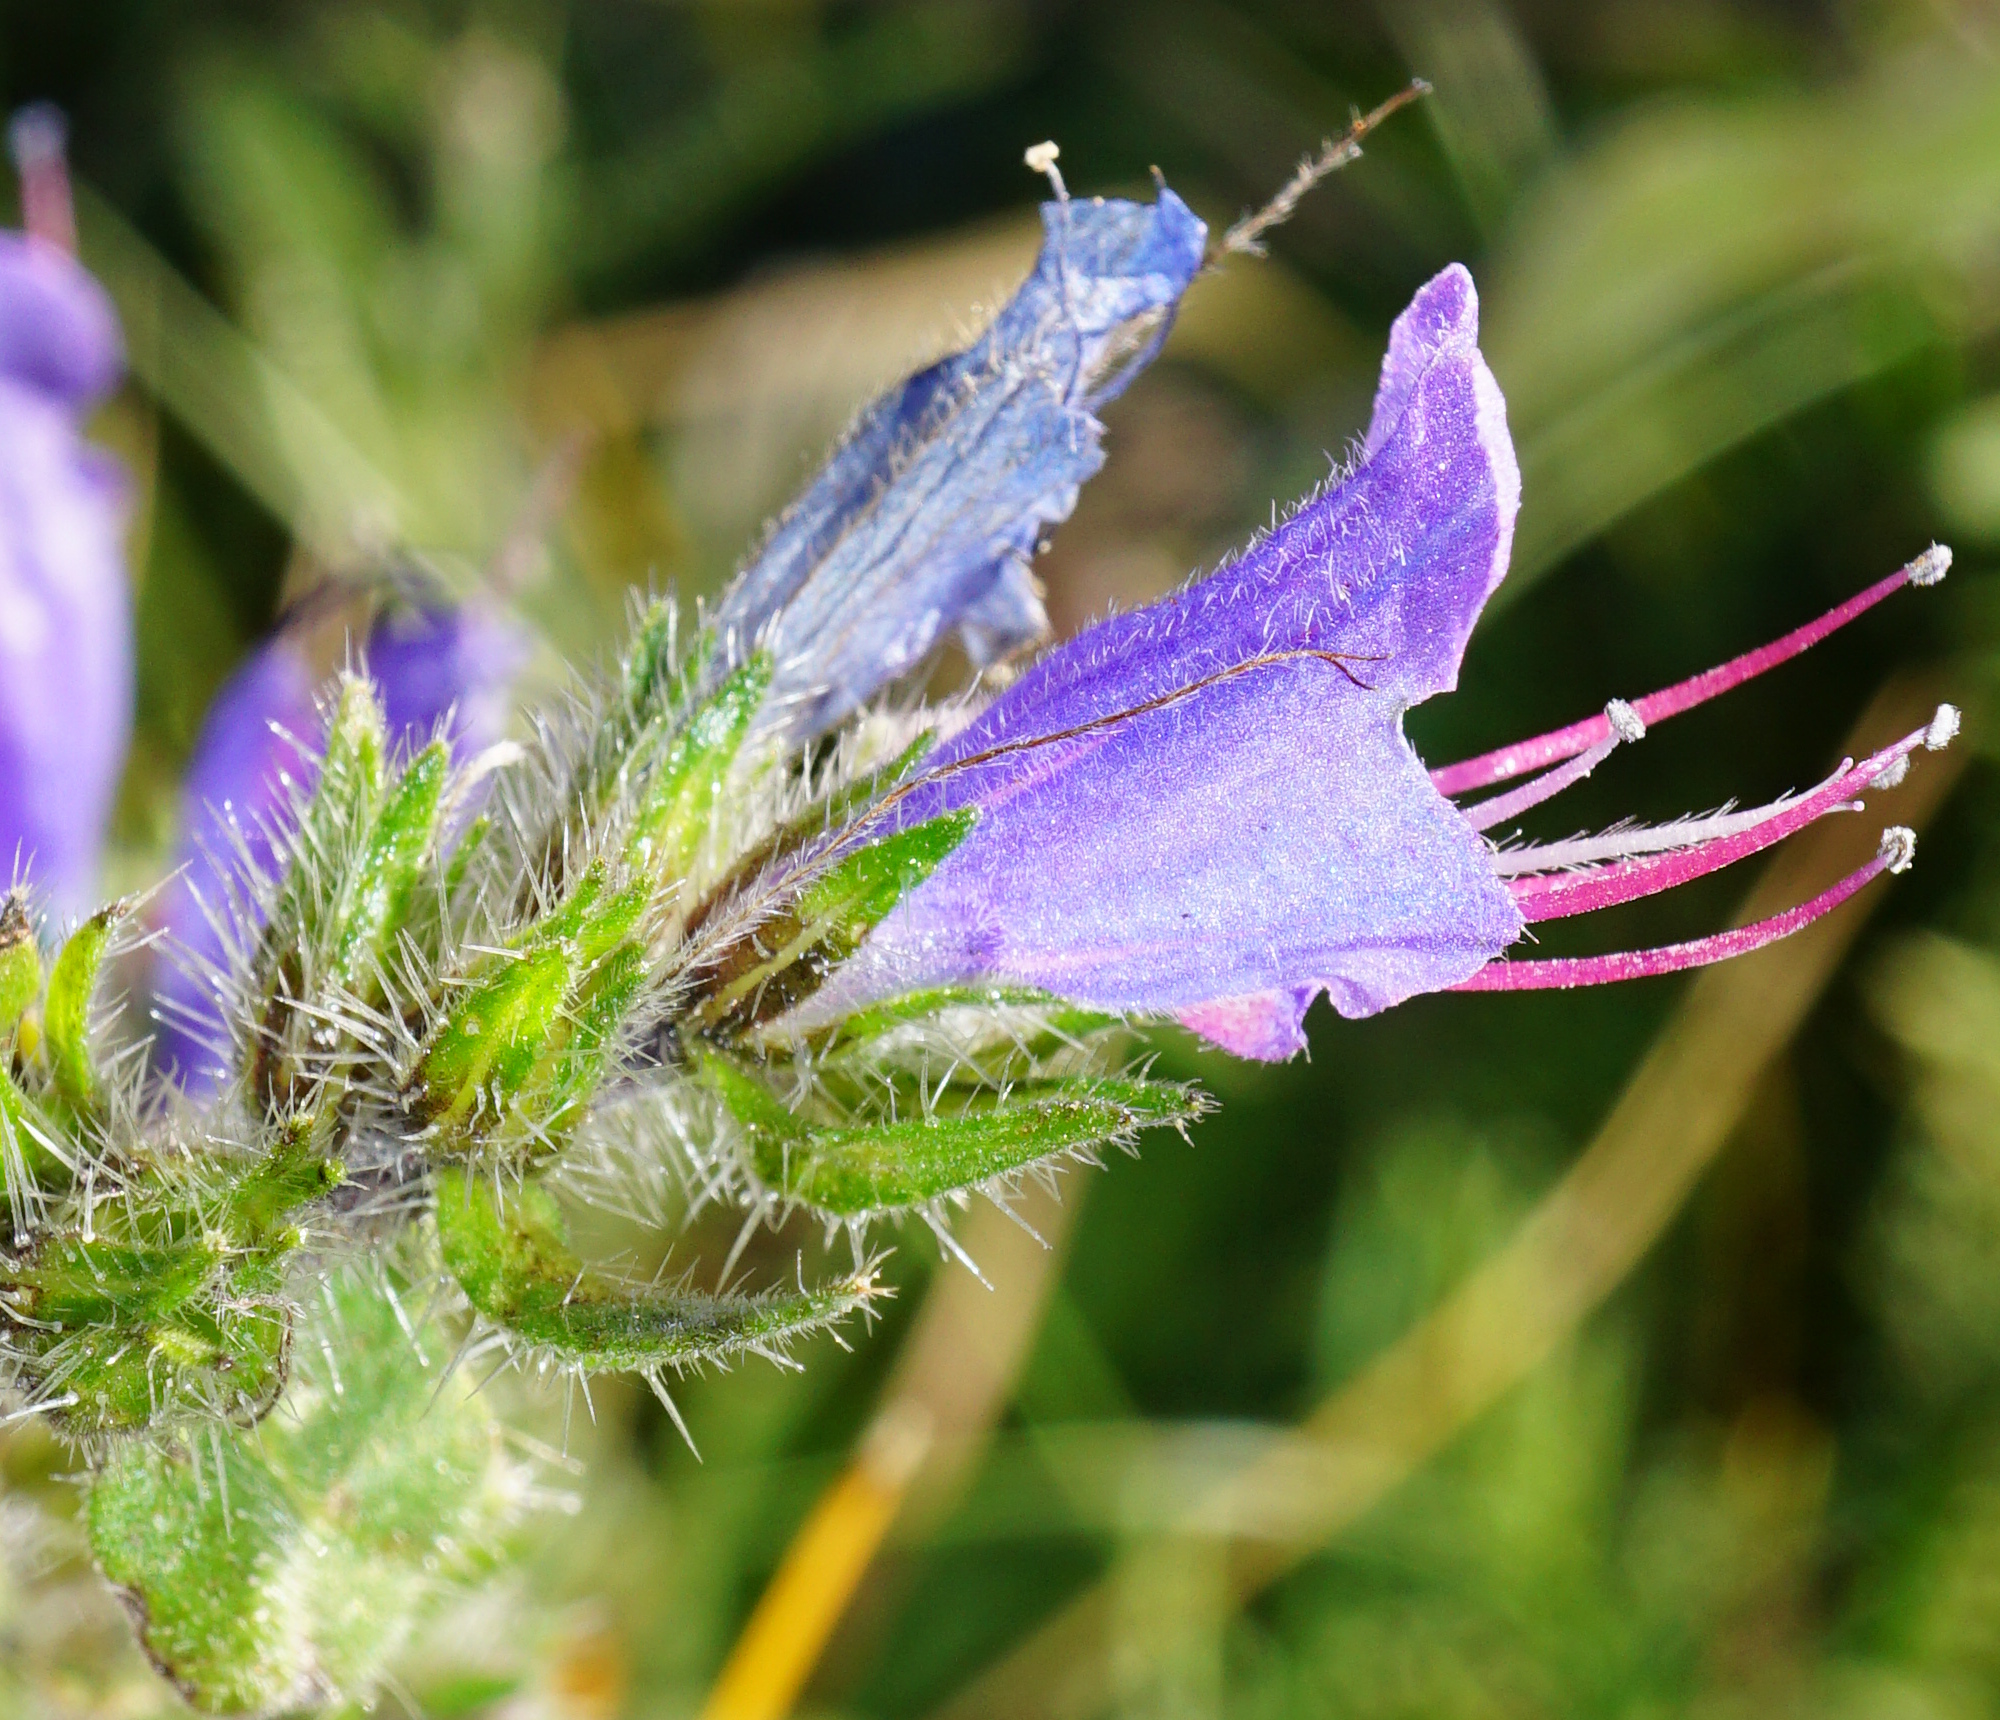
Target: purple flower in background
440,668
925,516
448,667
1207,808
65,601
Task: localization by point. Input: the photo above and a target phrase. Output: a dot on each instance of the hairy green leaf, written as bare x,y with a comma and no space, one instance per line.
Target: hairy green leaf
854,1170
281,1570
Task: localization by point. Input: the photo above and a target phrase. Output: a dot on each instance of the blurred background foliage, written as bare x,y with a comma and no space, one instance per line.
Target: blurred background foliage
563,296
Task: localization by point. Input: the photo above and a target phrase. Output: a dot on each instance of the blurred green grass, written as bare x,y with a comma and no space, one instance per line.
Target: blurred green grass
383,265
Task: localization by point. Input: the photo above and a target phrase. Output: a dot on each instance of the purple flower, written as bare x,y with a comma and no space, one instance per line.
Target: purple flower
65,602
440,669
1207,808
446,669
925,516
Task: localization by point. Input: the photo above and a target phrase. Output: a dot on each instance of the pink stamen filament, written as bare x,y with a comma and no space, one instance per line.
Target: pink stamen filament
1557,895
1564,972
1511,761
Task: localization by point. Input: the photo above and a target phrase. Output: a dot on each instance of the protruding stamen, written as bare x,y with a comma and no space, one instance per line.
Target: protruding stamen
1557,895
1559,744
1943,730
1563,973
1626,725
1041,158
38,138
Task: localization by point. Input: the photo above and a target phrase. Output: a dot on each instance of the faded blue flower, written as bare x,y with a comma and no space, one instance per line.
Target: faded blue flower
65,601
926,515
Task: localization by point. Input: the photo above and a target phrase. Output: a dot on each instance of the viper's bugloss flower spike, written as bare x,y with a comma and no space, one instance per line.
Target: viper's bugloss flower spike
1207,808
925,516
439,669
65,601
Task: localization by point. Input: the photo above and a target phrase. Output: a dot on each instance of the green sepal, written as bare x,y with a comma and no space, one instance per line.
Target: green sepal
257,1212
488,1044
280,1571
66,1013
31,1130
520,1052
1053,1015
838,809
356,753
511,1255
20,962
587,921
869,785
343,807
860,891
579,1052
857,1170
295,954
649,683
649,689
682,789
786,960
390,873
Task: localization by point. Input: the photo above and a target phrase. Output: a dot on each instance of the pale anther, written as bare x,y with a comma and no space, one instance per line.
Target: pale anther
1899,848
1626,723
1943,729
1041,158
1932,565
